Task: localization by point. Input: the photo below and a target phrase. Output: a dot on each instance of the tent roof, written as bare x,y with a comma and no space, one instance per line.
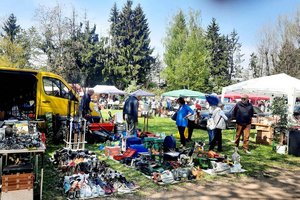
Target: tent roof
184,93
141,92
107,89
274,85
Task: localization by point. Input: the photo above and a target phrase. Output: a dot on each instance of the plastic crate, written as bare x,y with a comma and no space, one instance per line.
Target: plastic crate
100,126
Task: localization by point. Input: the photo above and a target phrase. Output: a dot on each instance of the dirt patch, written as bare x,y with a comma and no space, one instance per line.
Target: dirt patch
273,184
276,184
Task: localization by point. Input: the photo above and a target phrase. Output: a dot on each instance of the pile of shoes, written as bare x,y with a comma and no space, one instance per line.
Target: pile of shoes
24,141
86,176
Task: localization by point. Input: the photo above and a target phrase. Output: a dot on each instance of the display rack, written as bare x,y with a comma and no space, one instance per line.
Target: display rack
75,138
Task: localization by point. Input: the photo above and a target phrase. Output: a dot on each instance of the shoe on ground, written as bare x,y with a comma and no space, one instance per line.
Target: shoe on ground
181,146
123,189
247,152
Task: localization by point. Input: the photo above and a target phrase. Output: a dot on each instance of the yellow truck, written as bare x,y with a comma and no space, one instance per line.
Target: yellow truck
35,92
31,94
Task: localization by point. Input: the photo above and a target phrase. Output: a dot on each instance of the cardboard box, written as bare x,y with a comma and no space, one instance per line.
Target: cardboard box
18,194
264,137
112,151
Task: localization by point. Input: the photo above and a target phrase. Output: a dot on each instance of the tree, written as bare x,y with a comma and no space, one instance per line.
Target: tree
53,31
111,70
11,54
174,43
129,52
234,57
12,51
82,53
11,29
219,58
143,56
193,71
253,66
288,60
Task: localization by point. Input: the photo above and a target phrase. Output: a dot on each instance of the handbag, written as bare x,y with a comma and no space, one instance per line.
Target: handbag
174,116
211,124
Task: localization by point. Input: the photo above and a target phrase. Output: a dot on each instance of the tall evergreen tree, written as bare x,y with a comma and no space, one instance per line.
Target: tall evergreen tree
110,70
129,52
14,50
143,56
219,58
253,66
10,28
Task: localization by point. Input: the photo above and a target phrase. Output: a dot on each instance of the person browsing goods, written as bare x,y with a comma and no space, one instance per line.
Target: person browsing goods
183,113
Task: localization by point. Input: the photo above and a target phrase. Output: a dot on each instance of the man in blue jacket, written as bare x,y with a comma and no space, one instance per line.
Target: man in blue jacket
243,113
130,112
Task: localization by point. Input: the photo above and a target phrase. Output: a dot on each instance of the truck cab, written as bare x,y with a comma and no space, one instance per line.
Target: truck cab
31,93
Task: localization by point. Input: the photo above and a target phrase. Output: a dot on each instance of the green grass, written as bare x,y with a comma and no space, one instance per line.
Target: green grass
260,161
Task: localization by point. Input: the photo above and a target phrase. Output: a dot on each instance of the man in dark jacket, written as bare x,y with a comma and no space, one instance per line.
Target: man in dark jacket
85,104
130,112
243,113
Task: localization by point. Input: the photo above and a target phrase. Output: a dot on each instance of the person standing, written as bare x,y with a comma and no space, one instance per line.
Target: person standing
219,119
154,107
130,112
211,131
183,113
191,122
85,104
243,113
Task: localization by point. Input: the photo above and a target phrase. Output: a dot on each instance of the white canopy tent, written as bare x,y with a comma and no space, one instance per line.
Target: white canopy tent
273,86
107,89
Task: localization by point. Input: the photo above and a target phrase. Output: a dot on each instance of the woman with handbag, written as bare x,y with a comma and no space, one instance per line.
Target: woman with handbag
219,118
183,113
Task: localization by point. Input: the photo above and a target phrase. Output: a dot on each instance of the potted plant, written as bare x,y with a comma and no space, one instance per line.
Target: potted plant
279,108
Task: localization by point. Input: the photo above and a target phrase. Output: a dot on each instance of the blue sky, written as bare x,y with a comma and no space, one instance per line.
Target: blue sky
247,17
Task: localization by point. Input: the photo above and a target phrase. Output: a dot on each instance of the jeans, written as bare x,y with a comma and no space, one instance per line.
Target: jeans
217,139
211,135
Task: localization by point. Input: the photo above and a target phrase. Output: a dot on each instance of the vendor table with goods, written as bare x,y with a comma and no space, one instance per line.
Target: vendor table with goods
21,146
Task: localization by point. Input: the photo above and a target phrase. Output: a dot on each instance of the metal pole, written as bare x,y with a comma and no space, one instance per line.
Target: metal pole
84,128
70,138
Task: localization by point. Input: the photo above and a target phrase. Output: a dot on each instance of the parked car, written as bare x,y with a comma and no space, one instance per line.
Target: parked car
228,110
297,111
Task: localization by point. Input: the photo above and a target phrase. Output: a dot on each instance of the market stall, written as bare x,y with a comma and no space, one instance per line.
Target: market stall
22,145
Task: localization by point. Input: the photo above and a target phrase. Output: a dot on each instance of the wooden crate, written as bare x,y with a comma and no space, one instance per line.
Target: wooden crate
17,182
264,137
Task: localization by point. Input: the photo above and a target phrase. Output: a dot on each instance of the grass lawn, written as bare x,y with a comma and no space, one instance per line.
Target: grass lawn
261,160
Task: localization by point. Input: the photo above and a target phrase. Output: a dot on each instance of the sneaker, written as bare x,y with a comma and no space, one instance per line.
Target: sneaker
123,189
181,146
247,152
